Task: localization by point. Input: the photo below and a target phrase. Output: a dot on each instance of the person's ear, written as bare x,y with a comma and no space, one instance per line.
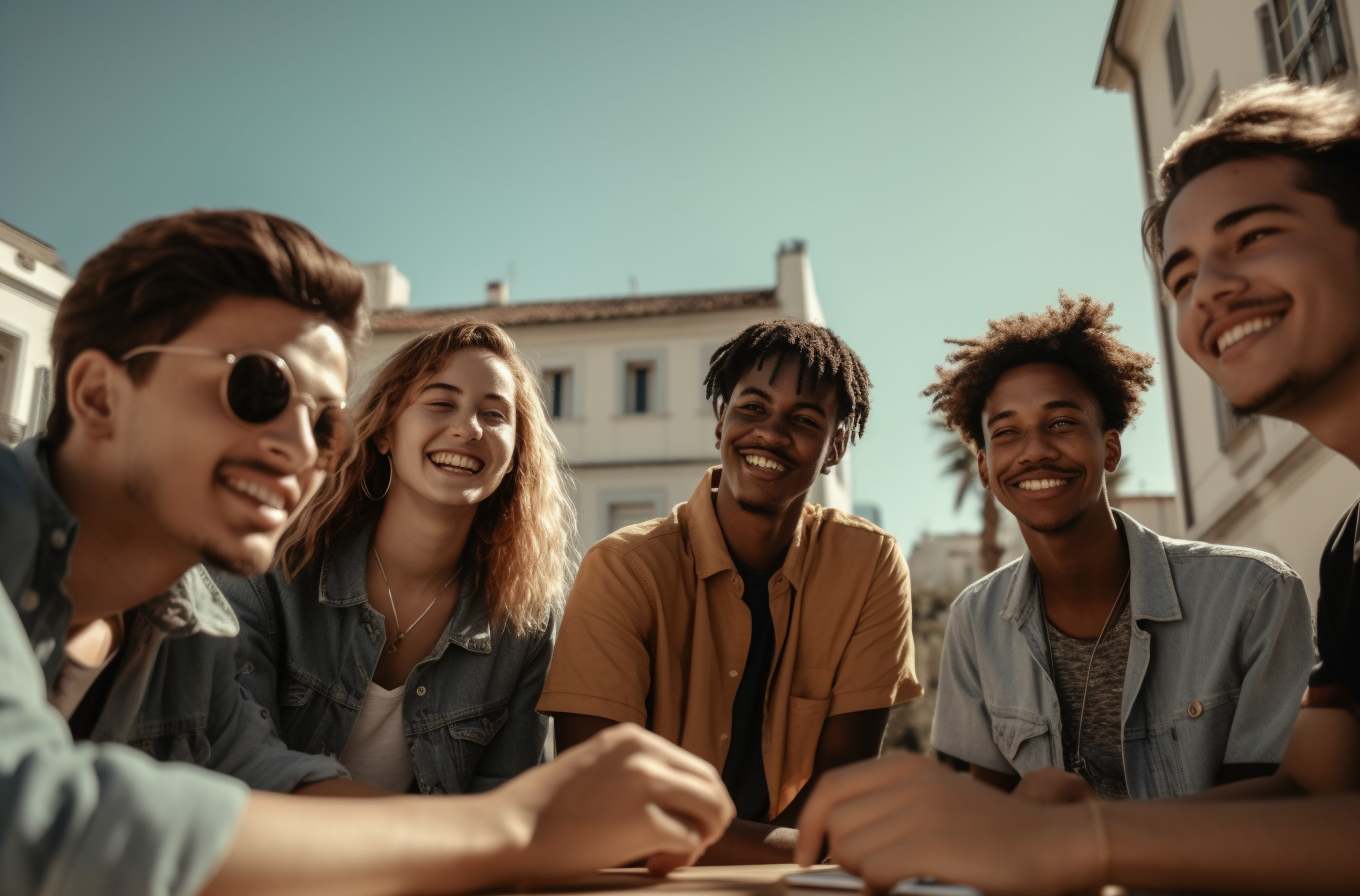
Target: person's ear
983,475
840,442
93,386
1114,450
721,407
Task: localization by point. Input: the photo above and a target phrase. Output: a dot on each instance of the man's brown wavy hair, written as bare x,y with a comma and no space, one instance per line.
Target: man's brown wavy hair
163,275
1319,127
1077,334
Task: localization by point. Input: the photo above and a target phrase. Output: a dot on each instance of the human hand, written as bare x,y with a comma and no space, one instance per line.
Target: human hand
1053,786
907,816
622,795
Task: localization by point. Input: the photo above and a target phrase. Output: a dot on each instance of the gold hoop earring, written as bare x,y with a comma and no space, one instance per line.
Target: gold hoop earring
391,472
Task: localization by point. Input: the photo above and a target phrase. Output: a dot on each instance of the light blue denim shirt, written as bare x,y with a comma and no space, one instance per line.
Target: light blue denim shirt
98,816
1221,646
309,648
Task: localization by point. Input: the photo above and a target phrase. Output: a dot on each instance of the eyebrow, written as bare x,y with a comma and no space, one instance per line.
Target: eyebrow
1052,405
1223,224
447,387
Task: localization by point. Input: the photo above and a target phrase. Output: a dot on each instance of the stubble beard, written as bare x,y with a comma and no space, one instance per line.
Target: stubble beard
142,487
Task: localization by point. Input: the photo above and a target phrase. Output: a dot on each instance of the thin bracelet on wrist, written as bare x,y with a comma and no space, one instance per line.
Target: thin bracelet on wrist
1102,843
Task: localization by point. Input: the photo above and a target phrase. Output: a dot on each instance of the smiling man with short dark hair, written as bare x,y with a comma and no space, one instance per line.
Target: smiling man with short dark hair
765,634
1149,667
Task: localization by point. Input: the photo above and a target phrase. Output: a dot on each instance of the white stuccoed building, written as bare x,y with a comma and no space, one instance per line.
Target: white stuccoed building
1262,483
33,279
622,377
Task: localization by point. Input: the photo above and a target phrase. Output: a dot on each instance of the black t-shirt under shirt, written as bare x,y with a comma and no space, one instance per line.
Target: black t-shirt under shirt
1338,608
744,770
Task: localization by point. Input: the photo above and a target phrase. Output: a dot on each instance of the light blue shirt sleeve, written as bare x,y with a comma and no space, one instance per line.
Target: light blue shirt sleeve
963,727
1276,644
83,819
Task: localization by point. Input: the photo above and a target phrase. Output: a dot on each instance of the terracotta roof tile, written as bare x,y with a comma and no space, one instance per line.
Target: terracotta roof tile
573,311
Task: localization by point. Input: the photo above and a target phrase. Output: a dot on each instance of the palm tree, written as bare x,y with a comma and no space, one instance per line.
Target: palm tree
961,465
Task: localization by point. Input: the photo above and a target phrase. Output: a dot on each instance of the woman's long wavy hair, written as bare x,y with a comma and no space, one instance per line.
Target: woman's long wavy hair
522,541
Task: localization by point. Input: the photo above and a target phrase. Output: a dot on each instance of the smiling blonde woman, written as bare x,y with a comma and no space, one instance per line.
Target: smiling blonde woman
409,625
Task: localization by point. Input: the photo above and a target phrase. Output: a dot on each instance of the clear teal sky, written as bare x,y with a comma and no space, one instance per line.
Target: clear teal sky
946,162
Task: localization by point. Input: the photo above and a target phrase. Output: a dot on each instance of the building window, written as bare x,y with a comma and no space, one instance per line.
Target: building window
639,387
1175,59
557,393
1303,39
626,513
1230,423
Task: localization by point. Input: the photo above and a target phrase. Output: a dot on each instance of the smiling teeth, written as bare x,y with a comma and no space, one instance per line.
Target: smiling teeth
461,461
258,492
1034,485
756,460
1237,333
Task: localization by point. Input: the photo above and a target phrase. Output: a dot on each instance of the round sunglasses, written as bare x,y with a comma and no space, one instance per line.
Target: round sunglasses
258,387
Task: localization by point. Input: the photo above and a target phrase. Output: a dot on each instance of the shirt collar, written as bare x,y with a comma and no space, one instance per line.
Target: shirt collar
710,548
190,606
1152,593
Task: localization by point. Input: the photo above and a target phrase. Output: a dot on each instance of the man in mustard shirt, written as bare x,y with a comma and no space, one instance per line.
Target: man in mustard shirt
762,633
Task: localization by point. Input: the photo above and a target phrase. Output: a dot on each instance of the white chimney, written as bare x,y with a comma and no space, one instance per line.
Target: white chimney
794,288
387,287
497,292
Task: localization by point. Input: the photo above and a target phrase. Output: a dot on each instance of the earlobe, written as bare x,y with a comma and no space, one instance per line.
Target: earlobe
983,476
92,387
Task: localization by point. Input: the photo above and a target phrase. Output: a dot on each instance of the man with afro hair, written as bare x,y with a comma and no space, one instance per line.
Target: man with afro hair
765,634
1146,667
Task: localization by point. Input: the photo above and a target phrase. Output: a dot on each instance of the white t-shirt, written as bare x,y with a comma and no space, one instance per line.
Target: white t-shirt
377,752
75,678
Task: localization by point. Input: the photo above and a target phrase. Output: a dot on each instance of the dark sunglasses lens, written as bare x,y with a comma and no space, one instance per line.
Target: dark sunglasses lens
257,390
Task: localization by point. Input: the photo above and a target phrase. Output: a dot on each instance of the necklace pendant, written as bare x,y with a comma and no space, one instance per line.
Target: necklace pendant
1079,766
397,643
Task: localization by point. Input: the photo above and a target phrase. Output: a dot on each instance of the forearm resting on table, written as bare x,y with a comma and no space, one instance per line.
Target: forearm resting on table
349,846
1276,846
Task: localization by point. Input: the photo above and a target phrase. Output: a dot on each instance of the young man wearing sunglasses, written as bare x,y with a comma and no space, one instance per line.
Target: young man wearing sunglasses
1257,240
202,362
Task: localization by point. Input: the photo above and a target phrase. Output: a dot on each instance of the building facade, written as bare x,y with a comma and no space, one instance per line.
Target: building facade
1258,482
623,380
32,281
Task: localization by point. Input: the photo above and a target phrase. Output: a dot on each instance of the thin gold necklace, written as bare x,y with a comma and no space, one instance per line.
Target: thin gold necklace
1079,762
401,635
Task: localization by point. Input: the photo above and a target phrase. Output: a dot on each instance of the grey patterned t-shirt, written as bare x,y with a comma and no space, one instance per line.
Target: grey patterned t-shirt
1102,735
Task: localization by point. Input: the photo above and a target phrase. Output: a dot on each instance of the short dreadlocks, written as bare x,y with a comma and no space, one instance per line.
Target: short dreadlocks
1077,334
821,356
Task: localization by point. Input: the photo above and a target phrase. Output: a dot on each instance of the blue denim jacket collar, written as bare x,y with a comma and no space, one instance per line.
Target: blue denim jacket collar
343,583
1152,594
191,605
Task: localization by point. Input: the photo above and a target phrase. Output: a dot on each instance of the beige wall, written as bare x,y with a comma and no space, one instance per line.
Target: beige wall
28,303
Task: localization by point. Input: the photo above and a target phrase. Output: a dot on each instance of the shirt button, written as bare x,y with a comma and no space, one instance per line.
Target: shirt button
29,602
420,691
264,713
732,673
1195,709
58,538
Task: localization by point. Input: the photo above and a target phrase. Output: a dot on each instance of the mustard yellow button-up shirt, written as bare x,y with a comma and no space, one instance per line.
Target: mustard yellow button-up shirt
656,633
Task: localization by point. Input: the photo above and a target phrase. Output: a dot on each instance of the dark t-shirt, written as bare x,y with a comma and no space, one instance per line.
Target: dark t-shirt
1338,609
744,770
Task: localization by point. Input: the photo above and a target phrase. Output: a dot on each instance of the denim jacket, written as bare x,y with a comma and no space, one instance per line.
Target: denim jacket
309,648
98,817
1218,660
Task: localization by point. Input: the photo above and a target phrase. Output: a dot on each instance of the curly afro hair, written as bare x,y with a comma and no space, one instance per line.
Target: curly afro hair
820,353
1076,334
